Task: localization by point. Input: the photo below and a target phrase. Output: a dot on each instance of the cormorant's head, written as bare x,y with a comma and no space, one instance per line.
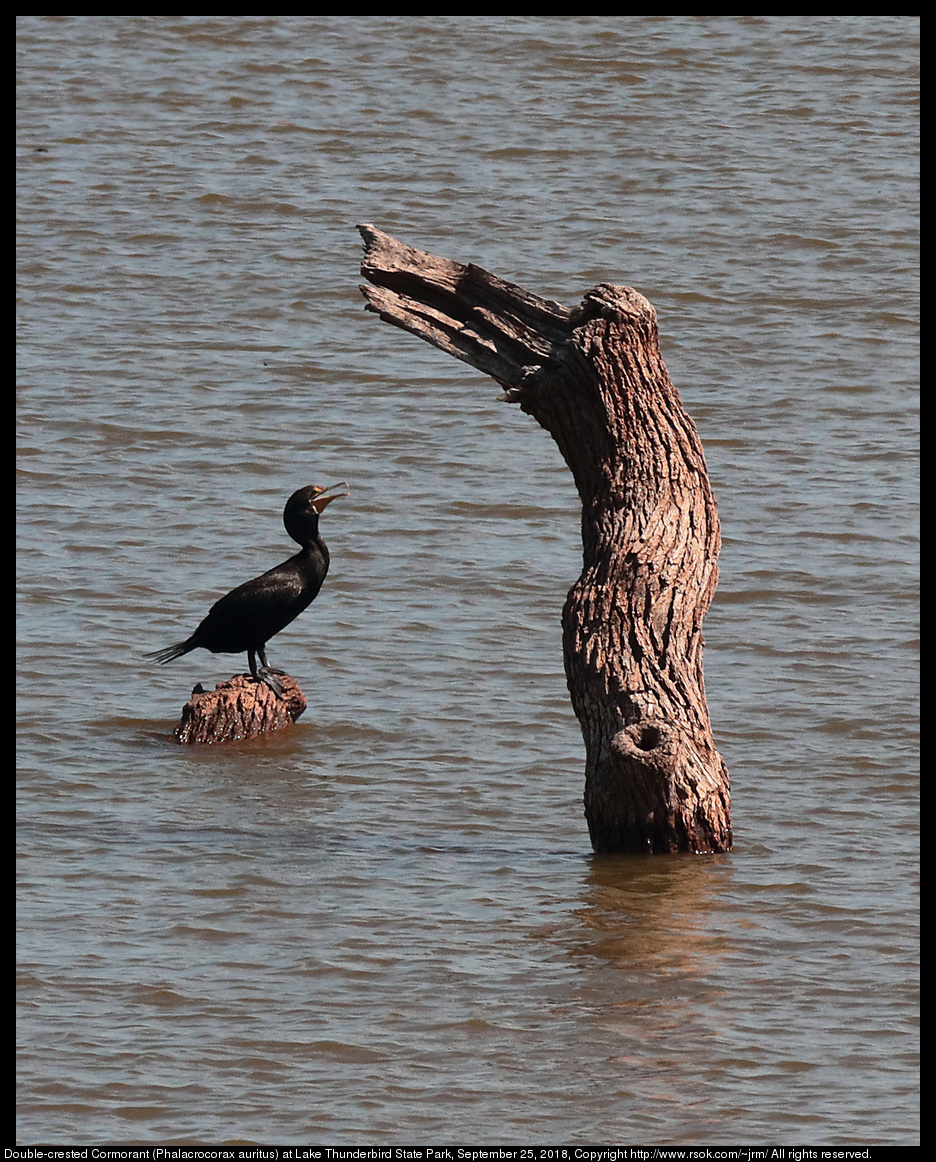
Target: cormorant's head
304,507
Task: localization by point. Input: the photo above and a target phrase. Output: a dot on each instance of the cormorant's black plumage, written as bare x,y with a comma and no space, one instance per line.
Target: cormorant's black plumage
246,618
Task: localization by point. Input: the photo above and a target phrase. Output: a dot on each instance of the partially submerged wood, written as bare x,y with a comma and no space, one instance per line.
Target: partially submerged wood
240,708
594,378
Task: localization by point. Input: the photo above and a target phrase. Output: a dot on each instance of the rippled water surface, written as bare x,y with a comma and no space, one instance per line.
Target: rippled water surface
386,926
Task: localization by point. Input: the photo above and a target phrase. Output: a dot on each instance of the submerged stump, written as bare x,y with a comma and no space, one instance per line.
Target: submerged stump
239,708
594,378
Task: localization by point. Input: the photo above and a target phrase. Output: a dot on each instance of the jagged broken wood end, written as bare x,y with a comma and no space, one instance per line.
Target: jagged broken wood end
239,708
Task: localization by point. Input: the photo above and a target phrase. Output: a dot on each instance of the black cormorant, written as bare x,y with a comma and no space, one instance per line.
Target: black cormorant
246,618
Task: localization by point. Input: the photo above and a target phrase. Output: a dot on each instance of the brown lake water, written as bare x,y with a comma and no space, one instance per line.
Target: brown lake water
386,926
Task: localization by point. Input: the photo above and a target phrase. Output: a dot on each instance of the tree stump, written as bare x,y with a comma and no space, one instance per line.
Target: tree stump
594,378
237,709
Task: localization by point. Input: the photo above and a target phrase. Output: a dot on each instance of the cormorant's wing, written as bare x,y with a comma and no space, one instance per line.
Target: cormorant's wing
252,613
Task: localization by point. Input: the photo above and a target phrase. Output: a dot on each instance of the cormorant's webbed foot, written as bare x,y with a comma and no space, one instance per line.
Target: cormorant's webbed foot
265,674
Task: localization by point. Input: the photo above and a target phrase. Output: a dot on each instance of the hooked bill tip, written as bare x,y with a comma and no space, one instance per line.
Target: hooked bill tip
320,500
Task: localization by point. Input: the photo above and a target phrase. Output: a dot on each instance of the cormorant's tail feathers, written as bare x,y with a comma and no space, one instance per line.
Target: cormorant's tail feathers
169,653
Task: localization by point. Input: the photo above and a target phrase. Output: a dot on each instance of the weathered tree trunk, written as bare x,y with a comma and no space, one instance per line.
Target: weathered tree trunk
594,378
240,708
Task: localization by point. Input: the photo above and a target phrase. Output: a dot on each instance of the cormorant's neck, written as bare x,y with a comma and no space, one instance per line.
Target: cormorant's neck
314,545
307,536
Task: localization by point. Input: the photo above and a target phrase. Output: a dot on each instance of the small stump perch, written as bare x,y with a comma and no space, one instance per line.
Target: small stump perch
238,709
594,378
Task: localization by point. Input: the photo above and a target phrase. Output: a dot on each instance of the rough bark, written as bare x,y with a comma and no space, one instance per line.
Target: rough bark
594,378
237,709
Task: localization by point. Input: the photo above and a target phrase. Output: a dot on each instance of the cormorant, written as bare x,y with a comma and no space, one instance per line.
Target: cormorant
248,616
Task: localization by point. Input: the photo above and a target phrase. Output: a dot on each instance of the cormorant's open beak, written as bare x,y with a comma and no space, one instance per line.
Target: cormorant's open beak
321,500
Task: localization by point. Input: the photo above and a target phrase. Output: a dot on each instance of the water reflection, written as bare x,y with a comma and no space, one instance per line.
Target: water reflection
654,914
